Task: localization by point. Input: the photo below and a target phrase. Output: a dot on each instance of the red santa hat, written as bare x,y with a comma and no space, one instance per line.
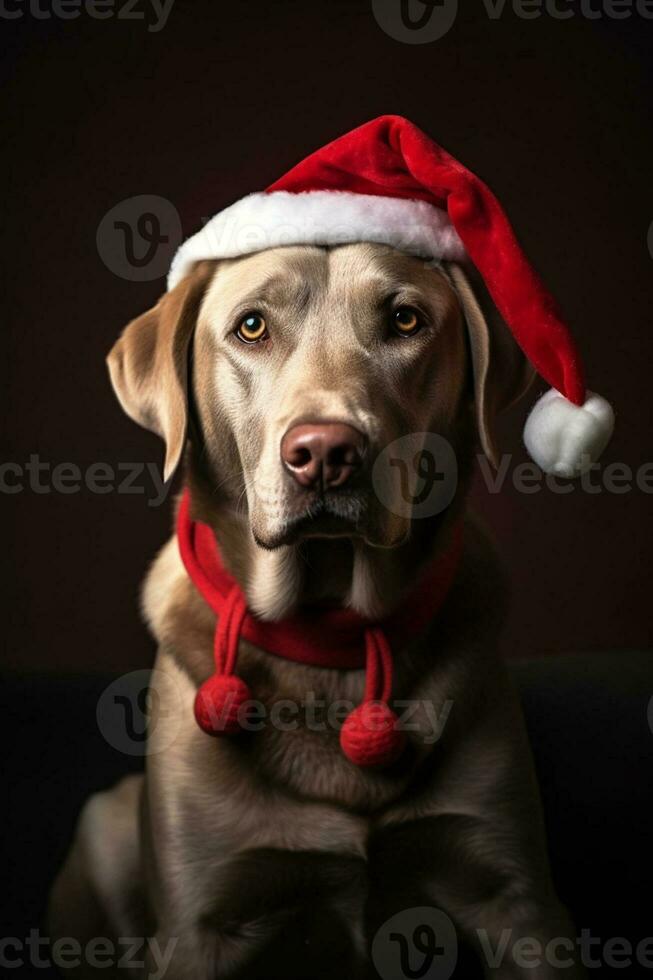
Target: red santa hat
388,182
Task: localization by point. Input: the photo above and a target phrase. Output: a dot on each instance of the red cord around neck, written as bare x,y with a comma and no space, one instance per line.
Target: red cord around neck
332,638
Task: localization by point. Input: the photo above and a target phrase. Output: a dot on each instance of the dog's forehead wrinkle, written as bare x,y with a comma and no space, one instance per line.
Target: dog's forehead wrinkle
284,289
282,277
364,278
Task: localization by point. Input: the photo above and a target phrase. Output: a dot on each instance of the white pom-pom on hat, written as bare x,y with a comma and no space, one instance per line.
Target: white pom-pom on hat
566,439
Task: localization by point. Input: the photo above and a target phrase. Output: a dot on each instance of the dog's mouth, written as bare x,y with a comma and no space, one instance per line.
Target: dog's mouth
333,514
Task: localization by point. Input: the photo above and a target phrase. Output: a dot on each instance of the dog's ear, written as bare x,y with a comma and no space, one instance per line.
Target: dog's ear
501,372
149,363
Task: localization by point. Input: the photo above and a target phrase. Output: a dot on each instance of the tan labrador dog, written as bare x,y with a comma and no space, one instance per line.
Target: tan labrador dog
272,855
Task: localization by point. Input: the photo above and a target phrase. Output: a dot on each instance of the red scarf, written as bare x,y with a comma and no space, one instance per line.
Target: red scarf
322,637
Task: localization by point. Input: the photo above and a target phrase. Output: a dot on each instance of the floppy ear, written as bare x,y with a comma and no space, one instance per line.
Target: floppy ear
149,363
502,374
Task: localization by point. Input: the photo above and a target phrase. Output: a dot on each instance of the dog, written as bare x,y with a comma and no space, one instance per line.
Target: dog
272,855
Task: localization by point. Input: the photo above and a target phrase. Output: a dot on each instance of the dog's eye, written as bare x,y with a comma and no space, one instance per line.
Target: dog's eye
406,321
252,328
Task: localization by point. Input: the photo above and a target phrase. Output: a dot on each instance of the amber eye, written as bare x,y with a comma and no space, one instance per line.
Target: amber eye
406,321
252,328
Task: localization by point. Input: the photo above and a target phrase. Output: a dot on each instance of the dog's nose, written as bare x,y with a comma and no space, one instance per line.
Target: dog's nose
322,454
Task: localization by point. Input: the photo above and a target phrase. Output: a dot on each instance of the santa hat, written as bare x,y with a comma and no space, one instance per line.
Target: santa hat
388,182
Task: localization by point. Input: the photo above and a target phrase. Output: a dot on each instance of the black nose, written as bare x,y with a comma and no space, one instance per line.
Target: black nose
323,454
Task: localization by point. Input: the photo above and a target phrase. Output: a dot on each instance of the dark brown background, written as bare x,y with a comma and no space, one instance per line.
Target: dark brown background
555,115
